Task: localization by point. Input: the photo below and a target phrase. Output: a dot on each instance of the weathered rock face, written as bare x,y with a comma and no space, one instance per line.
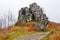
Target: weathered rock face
34,12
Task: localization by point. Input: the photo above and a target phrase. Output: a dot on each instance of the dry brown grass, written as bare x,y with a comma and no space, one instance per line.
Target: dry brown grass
28,27
55,34
54,27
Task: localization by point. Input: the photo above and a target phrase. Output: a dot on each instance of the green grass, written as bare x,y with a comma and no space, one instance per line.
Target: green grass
14,35
17,33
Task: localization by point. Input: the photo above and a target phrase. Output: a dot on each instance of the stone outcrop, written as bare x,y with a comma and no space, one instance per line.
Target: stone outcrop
34,12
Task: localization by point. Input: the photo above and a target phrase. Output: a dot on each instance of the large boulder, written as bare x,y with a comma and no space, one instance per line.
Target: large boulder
35,13
28,14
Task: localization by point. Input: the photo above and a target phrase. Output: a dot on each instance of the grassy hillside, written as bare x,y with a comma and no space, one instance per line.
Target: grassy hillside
55,31
14,31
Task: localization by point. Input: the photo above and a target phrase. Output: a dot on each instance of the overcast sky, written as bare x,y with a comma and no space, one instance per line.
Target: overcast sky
50,7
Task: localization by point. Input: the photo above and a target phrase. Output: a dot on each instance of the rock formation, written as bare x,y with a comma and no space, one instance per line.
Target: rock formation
34,12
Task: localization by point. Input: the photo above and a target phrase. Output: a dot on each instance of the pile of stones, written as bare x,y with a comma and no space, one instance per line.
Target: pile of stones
34,12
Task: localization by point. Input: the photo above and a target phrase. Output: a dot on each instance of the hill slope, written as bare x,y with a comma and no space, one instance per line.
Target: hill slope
53,27
55,31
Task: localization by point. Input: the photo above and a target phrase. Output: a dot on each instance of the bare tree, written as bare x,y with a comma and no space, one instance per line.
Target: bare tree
4,22
0,23
10,18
